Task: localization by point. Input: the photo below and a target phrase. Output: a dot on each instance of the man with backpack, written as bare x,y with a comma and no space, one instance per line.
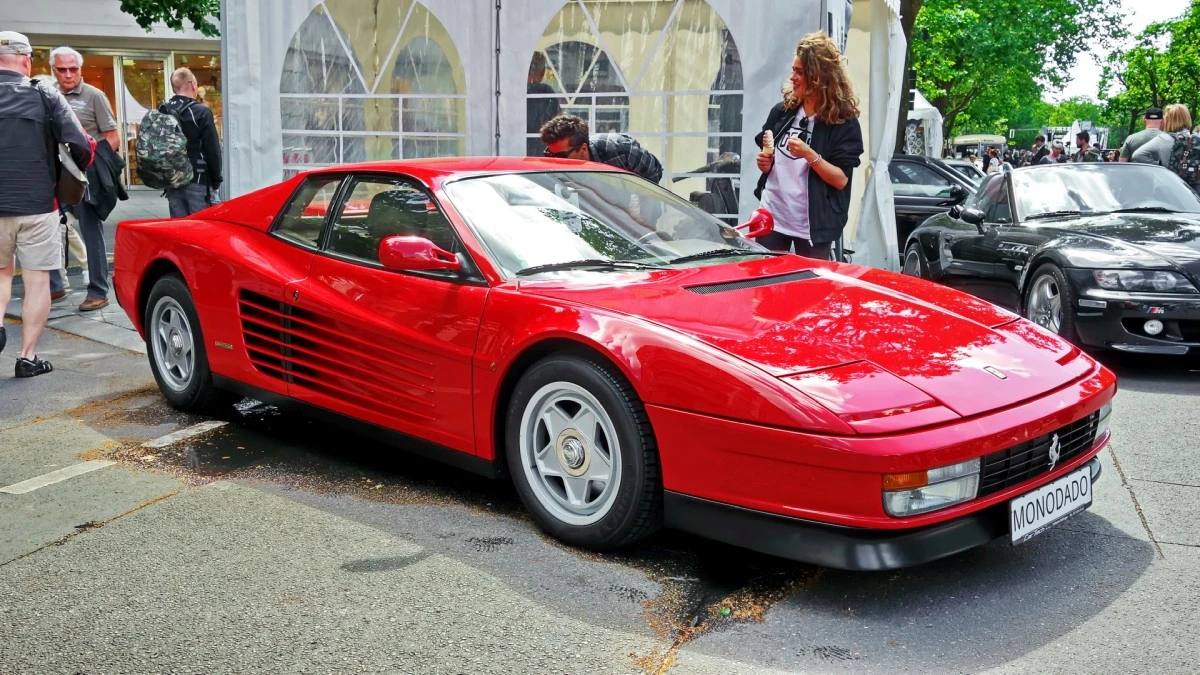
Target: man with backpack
1178,149
34,120
179,150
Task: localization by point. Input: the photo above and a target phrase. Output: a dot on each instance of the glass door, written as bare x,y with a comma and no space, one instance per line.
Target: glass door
144,87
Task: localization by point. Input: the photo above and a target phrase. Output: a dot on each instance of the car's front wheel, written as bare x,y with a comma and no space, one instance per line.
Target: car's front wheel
582,453
176,350
915,264
1049,302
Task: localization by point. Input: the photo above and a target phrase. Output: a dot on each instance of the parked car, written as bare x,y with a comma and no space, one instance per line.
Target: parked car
923,187
627,363
966,169
1105,255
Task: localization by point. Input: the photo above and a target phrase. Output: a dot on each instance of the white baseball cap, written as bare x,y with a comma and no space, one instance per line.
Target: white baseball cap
12,42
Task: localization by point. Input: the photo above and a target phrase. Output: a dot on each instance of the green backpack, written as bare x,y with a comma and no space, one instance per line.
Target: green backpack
162,159
1185,158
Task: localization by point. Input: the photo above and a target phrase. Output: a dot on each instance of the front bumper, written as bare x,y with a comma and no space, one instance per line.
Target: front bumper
1115,319
837,546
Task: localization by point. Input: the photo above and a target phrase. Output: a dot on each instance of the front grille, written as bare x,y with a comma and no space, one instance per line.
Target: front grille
1015,465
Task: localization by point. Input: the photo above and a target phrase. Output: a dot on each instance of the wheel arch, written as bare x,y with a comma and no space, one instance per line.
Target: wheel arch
1035,263
156,270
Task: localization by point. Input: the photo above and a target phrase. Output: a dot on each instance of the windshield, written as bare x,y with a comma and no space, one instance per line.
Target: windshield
530,220
1100,188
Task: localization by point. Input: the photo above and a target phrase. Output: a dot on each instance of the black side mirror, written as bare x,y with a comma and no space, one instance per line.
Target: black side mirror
958,194
972,216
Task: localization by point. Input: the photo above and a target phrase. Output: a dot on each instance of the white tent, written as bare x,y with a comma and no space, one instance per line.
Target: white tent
318,82
930,119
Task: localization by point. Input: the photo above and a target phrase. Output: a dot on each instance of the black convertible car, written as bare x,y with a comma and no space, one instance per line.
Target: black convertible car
1106,255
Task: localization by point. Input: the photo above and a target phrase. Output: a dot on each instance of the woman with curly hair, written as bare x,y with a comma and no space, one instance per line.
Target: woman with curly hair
811,143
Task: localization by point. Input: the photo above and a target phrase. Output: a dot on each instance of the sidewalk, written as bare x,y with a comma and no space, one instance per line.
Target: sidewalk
108,325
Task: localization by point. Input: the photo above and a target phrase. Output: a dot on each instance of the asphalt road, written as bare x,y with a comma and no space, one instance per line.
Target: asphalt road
275,543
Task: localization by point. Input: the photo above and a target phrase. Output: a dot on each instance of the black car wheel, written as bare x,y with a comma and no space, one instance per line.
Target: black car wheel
915,264
176,350
1050,303
582,454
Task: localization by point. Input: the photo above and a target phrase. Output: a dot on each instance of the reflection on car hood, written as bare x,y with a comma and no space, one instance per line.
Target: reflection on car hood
1174,236
968,355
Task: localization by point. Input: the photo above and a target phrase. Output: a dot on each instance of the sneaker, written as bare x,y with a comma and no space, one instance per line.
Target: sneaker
33,367
3,338
58,295
92,304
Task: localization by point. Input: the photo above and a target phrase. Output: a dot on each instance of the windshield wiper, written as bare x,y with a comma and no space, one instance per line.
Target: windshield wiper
1059,214
1145,209
722,253
588,262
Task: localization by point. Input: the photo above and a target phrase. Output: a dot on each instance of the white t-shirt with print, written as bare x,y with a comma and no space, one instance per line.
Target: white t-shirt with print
786,192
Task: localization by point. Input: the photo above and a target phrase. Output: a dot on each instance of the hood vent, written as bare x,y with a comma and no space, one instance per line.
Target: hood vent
709,289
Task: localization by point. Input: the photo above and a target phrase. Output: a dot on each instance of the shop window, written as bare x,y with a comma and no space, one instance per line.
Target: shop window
664,71
363,83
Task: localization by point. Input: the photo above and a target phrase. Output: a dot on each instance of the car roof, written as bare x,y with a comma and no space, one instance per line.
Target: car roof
430,168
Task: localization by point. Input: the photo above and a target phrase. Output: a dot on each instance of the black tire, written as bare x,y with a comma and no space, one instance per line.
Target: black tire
1050,273
919,266
199,395
636,504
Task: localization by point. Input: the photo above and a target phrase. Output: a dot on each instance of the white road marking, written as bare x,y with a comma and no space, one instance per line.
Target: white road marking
55,477
176,436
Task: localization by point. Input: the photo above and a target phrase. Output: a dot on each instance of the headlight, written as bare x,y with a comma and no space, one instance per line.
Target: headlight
1102,425
1143,281
907,494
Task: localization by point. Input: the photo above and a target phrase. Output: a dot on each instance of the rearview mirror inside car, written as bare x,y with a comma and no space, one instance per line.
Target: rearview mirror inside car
409,254
760,222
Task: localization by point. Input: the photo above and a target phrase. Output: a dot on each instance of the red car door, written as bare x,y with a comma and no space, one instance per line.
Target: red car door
392,348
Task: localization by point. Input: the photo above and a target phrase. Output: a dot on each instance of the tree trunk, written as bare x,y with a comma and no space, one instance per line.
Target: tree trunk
908,16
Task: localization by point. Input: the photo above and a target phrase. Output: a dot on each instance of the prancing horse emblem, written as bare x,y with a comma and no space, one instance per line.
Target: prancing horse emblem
1054,453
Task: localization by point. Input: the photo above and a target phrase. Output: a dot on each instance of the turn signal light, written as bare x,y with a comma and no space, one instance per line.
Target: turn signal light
905,481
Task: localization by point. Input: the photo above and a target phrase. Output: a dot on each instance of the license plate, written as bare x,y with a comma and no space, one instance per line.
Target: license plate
1030,514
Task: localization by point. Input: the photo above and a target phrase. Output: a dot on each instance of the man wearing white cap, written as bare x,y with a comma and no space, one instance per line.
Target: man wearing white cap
33,121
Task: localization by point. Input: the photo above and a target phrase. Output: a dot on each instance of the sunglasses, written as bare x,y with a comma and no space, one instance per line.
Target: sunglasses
69,69
561,154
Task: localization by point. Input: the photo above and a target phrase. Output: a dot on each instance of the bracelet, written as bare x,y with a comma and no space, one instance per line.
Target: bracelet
817,161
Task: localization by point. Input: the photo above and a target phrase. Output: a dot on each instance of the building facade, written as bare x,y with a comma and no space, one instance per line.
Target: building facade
130,65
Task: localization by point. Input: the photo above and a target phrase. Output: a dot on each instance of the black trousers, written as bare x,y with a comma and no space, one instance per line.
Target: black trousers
777,241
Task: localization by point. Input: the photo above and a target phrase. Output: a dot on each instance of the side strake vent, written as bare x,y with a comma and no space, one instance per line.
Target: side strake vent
752,283
301,347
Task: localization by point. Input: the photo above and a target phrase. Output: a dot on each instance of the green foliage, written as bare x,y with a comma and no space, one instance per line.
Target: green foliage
1162,67
984,64
174,12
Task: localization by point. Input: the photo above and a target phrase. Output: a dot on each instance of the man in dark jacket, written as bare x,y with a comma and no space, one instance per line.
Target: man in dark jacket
203,147
1040,150
28,214
566,137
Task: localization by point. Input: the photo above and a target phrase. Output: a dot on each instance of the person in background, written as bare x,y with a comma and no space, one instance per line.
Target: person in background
1057,154
811,144
95,114
203,147
538,110
1157,150
1153,119
1040,150
1083,141
567,137
34,120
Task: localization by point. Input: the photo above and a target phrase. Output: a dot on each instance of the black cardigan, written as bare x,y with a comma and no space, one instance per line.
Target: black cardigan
839,144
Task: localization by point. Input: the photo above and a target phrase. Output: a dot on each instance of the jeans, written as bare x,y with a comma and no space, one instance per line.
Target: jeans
74,249
91,230
193,197
777,241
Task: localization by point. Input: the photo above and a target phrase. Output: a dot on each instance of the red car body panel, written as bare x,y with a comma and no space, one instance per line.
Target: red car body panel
789,398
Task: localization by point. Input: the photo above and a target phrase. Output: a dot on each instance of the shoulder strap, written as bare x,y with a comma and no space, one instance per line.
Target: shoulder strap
51,120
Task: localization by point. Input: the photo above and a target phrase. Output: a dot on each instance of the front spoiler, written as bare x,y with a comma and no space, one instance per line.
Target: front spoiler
837,546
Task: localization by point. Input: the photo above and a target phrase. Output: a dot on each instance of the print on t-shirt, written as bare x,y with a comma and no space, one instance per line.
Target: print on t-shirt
799,129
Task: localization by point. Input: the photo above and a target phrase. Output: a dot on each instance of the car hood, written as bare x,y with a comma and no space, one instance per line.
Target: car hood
791,316
1174,236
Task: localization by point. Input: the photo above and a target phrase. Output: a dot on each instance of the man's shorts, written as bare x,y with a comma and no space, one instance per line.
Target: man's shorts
35,239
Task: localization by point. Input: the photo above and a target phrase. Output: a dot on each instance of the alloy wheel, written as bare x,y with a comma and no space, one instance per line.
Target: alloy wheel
173,344
1045,303
570,453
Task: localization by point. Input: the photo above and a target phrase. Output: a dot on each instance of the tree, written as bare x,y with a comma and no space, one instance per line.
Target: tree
987,58
908,17
174,12
1162,67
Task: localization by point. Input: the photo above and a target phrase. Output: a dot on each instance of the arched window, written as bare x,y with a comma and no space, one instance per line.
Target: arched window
382,84
666,72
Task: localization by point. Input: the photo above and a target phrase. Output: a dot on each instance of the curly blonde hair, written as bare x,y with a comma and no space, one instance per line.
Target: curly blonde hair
827,76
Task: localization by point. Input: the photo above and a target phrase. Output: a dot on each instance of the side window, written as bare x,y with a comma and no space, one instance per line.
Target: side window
305,215
379,207
914,180
999,210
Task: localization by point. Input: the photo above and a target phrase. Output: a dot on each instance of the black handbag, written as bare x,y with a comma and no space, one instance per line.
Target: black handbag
70,182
